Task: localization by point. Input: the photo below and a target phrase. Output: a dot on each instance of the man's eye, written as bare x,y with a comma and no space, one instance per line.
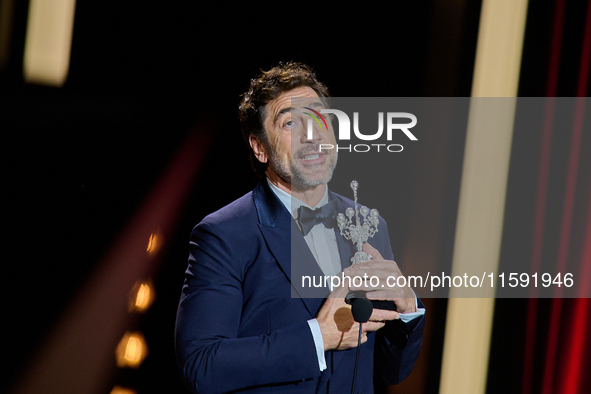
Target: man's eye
291,122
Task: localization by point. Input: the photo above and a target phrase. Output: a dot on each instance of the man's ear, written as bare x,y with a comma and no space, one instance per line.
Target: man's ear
258,149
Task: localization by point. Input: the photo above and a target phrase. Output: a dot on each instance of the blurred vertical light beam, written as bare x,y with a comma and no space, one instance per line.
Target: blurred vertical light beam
575,366
6,17
77,356
542,191
572,382
48,41
483,192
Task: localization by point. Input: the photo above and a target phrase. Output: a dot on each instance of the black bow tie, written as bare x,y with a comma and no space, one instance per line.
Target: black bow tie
326,215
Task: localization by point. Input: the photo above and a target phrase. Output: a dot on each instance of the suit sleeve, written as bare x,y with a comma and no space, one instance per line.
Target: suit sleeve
397,348
398,344
212,357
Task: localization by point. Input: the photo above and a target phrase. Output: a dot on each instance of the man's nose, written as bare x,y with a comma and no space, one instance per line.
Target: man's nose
313,132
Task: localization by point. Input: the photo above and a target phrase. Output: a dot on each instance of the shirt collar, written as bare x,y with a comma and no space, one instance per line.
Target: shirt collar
292,203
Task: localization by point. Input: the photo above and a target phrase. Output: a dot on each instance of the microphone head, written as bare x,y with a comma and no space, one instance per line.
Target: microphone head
361,308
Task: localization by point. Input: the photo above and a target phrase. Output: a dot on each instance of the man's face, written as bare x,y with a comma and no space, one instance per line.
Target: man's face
292,156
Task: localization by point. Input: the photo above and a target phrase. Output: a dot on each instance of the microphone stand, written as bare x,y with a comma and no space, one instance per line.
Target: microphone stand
356,360
361,308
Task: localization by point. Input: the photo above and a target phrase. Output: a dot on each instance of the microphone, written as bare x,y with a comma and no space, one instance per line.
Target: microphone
361,308
377,304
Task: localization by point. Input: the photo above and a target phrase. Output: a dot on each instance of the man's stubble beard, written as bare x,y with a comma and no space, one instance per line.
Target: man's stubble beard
293,174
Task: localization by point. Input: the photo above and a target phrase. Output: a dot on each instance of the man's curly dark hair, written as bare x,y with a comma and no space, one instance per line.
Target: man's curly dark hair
266,87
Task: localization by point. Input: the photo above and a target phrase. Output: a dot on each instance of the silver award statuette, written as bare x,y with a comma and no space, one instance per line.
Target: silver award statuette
359,232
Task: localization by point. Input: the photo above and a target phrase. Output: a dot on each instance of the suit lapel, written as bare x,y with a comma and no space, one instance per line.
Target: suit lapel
286,243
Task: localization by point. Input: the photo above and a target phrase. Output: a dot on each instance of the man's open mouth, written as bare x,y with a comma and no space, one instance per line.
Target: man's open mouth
311,157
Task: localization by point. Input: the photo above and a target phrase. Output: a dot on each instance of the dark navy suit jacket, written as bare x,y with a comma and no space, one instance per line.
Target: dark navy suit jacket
239,328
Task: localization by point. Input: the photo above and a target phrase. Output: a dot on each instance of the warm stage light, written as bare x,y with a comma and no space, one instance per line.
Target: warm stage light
132,350
142,296
122,390
153,243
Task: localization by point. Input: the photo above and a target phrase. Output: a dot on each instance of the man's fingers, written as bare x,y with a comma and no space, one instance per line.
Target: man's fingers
372,326
385,294
375,254
380,268
339,292
383,315
363,338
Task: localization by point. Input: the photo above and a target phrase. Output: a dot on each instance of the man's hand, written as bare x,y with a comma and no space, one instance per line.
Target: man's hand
339,330
385,289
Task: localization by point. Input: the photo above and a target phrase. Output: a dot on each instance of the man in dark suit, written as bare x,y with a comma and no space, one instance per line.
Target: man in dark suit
239,326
